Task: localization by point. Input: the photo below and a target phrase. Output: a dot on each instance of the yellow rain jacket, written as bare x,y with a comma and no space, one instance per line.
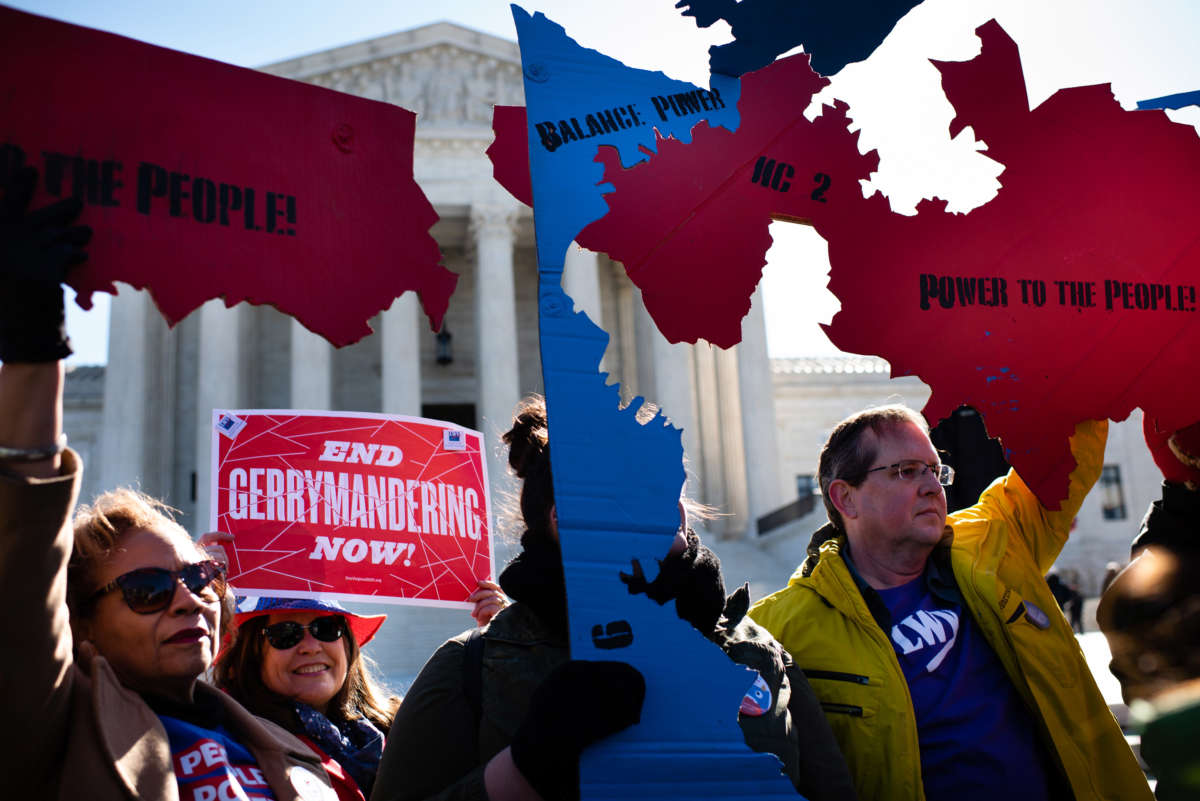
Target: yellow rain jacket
998,552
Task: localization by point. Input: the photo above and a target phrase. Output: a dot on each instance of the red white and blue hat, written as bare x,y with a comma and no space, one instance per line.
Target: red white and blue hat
364,627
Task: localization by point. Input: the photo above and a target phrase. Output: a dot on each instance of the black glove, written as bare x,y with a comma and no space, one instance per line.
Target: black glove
36,251
692,578
577,704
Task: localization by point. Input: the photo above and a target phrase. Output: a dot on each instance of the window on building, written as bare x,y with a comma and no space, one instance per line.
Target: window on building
806,484
1112,497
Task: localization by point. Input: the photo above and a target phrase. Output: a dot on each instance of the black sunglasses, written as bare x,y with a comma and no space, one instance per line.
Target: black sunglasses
150,589
288,633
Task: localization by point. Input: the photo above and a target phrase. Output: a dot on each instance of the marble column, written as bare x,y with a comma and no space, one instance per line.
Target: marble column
218,386
627,339
645,334
312,369
493,231
581,280
137,417
708,462
401,345
733,450
763,483
664,374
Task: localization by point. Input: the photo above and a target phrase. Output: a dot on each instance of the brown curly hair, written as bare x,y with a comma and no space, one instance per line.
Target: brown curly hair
529,457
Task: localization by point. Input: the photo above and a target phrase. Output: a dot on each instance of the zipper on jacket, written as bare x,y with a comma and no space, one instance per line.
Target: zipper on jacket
834,675
854,611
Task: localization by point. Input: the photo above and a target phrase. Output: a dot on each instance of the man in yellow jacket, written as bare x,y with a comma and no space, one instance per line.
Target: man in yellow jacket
938,652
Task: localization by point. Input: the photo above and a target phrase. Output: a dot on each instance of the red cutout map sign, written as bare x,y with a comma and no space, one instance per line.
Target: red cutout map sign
1072,295
690,225
205,180
351,506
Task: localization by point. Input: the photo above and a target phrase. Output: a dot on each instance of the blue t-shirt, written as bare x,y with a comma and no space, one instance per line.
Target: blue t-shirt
210,765
977,739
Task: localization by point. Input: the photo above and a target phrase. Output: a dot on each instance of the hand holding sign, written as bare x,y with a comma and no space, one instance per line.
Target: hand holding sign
213,544
488,599
37,249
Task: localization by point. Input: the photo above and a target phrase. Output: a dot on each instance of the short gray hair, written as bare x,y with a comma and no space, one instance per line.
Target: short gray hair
847,457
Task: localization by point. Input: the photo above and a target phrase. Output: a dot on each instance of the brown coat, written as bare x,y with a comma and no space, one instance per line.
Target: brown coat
69,729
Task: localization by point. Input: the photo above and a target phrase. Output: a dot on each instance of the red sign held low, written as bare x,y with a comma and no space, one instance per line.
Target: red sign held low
352,506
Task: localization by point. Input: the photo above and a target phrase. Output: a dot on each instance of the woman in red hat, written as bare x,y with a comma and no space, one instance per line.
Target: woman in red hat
298,663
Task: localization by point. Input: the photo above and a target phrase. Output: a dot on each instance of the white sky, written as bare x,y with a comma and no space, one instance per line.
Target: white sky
1145,48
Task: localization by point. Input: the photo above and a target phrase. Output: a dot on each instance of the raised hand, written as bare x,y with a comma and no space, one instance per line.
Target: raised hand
37,249
488,599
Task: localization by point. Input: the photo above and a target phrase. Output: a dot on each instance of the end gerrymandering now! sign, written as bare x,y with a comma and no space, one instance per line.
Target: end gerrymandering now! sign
351,506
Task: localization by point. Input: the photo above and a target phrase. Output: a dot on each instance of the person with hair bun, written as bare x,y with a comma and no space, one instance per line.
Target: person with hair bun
505,714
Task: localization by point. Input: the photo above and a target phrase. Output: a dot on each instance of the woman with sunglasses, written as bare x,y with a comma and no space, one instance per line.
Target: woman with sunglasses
111,705
298,663
100,686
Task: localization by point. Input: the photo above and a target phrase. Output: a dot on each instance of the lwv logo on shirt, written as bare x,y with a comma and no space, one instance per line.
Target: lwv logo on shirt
923,629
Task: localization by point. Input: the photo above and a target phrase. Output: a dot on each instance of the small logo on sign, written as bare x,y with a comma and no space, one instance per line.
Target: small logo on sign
757,700
230,425
453,440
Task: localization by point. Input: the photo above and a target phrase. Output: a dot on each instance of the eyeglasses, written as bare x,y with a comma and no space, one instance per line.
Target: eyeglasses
913,469
288,633
150,589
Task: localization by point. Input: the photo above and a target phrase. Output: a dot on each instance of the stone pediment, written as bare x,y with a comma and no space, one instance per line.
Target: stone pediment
450,75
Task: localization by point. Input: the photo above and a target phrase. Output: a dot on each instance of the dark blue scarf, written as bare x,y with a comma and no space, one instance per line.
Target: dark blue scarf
356,744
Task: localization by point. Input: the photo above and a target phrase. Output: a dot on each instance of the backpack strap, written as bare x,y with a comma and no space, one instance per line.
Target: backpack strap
472,677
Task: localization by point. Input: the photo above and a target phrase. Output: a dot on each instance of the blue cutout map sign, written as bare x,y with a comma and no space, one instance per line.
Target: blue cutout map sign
1181,100
834,34
688,744
578,99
